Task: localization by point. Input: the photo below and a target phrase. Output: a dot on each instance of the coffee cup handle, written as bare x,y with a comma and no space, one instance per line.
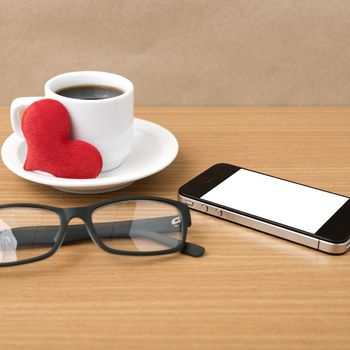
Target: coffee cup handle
17,106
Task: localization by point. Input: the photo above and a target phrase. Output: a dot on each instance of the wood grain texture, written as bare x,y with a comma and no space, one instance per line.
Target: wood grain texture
249,291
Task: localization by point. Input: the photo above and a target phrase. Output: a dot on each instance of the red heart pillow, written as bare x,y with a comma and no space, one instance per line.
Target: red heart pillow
46,127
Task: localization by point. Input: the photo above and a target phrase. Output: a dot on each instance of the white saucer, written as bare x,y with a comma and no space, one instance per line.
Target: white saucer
154,149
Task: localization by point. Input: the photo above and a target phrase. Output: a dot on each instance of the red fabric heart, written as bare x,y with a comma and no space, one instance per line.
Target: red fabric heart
46,127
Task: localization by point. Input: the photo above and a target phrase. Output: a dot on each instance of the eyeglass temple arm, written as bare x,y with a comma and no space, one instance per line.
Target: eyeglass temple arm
151,228
148,228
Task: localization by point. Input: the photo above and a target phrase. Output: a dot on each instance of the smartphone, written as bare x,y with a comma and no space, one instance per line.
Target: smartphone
306,215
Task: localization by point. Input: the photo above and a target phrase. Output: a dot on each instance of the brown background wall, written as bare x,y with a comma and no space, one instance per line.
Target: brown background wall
177,52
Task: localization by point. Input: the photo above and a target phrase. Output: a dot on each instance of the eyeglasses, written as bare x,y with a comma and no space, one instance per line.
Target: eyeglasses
133,225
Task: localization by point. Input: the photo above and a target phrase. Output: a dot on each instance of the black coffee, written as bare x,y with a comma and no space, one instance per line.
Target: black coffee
90,92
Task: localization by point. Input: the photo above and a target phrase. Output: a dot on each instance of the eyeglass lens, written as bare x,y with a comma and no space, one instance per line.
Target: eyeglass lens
138,225
21,235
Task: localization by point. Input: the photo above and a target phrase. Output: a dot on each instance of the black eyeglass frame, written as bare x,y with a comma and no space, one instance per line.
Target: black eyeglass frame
85,213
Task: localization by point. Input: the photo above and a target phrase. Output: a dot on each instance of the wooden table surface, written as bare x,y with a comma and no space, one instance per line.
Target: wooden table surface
250,290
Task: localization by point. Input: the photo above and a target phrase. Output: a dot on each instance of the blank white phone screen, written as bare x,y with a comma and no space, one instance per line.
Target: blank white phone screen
277,200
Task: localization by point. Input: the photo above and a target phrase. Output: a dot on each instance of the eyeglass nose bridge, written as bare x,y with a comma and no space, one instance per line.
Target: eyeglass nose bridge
75,212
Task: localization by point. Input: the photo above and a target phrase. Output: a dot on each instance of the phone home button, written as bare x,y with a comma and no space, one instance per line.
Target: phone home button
204,208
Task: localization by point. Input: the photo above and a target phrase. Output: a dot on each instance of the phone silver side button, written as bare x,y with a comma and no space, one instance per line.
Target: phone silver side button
204,208
218,212
189,203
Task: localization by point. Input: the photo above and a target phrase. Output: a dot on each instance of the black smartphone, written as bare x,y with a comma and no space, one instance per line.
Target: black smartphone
306,215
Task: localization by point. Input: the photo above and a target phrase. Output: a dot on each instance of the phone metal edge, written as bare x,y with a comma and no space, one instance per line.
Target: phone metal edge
271,229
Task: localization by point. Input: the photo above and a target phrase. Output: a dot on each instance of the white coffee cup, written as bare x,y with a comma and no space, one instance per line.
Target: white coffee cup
105,123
